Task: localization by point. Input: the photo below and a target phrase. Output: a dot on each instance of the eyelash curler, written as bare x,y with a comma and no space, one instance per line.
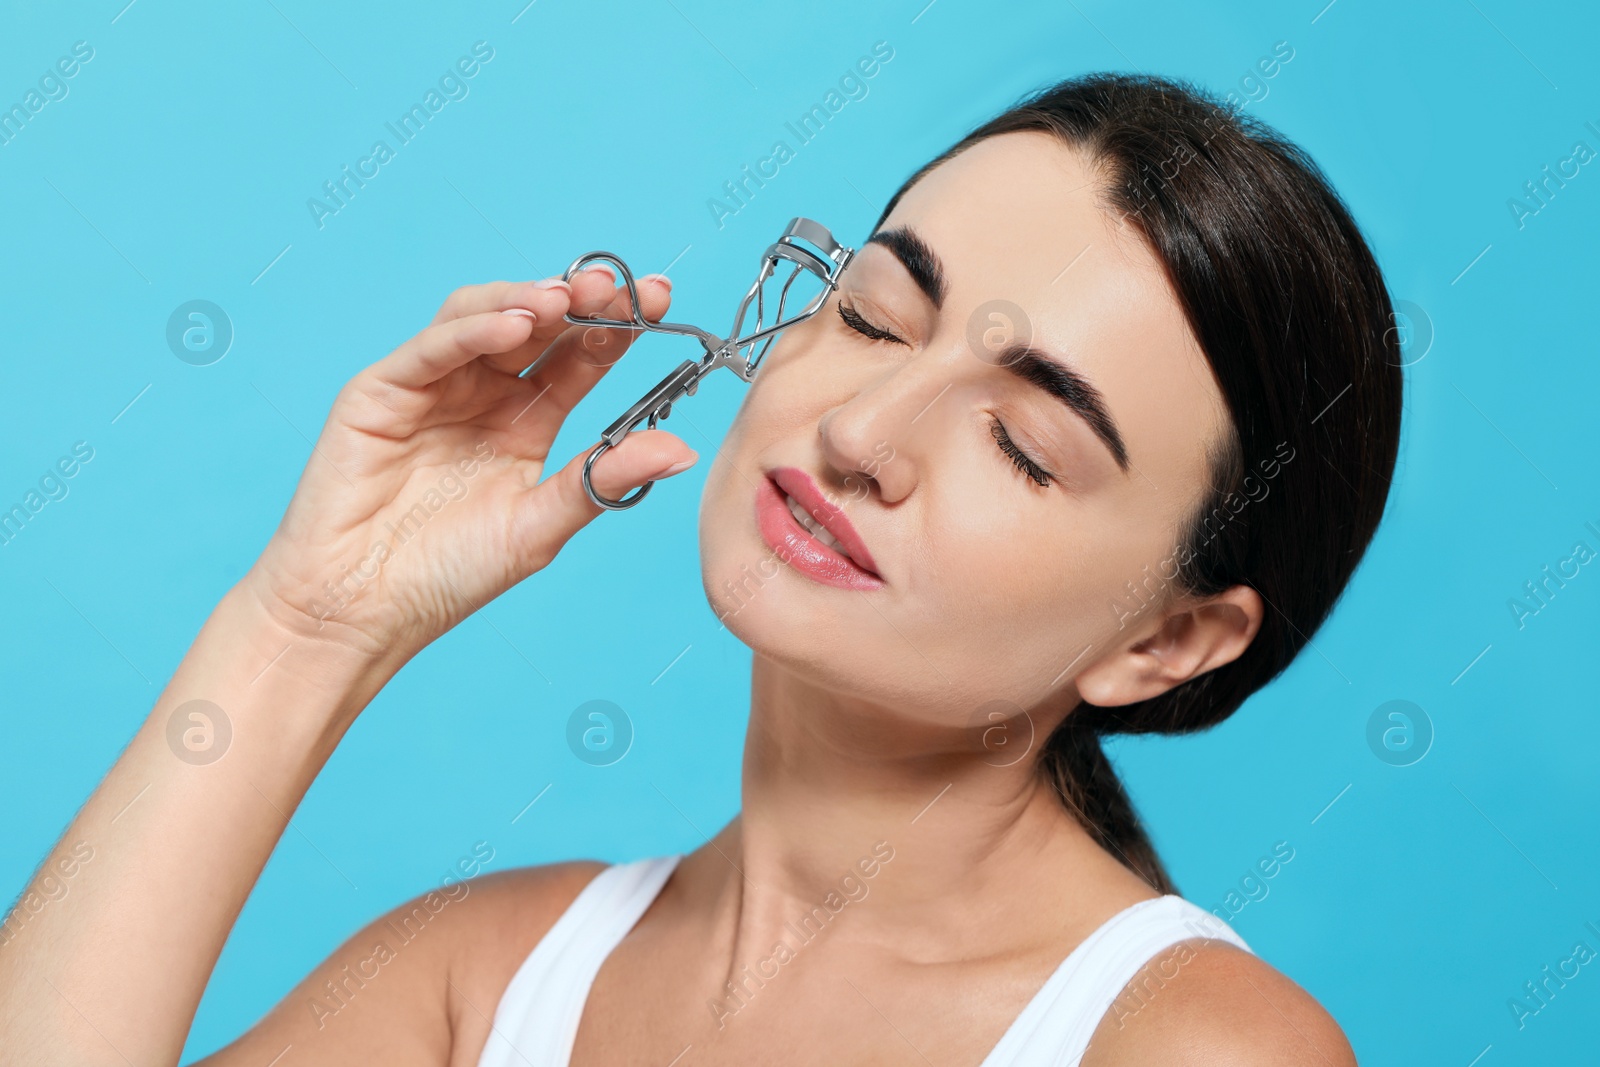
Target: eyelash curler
656,405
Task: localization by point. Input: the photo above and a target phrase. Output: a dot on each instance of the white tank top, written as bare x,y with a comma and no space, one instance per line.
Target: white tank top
536,1023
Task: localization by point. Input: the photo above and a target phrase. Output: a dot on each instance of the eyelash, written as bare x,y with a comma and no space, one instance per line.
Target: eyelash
1022,461
860,325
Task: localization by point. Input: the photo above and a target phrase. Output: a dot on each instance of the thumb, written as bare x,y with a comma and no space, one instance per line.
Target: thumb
559,506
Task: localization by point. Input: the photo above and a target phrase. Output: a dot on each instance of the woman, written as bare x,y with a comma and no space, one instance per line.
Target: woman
1089,440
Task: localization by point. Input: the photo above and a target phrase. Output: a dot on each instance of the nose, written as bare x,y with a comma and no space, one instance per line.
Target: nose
881,434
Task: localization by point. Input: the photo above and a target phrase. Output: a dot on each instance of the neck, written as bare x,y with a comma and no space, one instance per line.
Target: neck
892,825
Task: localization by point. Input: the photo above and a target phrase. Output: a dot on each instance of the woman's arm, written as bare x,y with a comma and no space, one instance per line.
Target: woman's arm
112,971
422,501
418,986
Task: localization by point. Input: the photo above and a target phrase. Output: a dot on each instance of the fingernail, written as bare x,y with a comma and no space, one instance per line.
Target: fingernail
553,283
609,273
662,278
524,312
681,465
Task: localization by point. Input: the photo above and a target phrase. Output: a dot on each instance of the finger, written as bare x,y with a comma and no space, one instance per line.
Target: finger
601,347
591,289
574,362
497,296
548,300
558,507
441,348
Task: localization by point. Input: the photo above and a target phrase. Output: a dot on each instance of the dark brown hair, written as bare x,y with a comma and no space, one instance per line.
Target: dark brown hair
1290,308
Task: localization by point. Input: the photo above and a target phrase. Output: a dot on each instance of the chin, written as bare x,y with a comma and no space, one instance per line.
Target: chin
750,590
799,627
818,632
767,607
745,582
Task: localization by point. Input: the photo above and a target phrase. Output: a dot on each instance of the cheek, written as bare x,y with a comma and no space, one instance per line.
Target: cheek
1017,595
992,574
993,591
1002,595
724,539
737,567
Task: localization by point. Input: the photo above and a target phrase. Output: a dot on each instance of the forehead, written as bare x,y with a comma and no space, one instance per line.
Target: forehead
1021,217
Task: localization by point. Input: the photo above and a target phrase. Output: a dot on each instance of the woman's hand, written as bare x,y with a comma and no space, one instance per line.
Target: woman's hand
422,499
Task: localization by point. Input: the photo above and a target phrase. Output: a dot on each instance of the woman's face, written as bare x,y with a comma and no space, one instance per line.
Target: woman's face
990,585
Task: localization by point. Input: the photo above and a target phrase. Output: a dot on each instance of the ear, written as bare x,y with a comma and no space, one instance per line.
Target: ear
1190,639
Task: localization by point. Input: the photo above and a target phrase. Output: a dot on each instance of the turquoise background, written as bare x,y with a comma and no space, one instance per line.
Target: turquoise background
1420,898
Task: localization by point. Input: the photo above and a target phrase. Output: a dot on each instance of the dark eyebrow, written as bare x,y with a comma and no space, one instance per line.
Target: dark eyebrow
1032,365
1038,368
919,259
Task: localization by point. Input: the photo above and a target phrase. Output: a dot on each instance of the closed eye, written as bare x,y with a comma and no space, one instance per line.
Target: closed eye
860,325
1019,458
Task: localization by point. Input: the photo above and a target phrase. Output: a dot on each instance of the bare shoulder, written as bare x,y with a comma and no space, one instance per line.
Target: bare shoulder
419,984
1205,1003
523,901
504,916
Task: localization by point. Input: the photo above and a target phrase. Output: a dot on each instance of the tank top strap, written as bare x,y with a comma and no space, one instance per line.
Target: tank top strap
536,1022
1056,1025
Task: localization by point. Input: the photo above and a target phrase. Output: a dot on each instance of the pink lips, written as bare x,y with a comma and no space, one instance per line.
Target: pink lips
794,543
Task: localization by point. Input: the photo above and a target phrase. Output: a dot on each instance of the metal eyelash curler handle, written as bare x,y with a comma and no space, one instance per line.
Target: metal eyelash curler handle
685,379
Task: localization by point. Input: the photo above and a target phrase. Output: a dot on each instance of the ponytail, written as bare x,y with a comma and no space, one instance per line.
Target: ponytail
1087,784
1287,302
